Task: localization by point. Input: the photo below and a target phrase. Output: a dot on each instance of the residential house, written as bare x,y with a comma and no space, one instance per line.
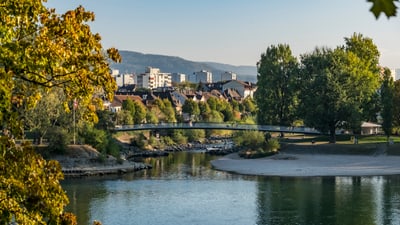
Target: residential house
245,89
368,128
116,104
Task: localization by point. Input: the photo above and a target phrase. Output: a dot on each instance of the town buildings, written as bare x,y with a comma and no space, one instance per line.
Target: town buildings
153,78
228,76
202,76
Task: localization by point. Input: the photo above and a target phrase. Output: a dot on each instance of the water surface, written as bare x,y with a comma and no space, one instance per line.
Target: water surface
183,189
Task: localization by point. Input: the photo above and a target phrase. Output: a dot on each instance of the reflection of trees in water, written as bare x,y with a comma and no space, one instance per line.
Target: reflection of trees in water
325,201
81,193
181,165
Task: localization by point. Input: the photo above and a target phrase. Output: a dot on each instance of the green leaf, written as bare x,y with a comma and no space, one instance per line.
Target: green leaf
383,6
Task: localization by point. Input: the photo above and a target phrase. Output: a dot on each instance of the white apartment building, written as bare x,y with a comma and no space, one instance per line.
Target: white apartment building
203,76
114,72
228,76
153,78
178,77
124,79
396,74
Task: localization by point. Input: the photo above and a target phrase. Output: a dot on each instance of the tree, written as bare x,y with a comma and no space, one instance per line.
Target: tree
151,117
387,95
362,66
339,85
124,117
192,108
321,94
204,110
30,192
169,111
276,80
41,50
44,115
140,113
129,106
396,103
212,102
249,105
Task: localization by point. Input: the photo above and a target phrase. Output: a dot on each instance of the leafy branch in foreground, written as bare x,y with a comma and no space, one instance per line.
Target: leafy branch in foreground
41,50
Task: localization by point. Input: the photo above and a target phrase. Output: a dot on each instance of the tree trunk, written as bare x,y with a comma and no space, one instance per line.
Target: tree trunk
332,134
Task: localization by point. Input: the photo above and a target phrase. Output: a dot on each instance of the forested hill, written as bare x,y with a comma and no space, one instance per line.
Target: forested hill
136,62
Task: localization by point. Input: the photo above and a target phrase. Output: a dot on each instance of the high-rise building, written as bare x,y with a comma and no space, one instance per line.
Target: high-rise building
178,77
397,74
228,76
203,76
153,78
124,79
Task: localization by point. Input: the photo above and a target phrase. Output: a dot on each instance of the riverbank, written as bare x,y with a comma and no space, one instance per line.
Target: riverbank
83,160
303,161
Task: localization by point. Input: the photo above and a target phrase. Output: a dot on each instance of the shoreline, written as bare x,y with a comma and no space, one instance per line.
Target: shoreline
100,170
310,165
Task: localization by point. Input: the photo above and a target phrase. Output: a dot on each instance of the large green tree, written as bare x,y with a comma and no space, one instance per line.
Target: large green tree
338,85
41,50
276,95
191,108
396,103
44,115
387,95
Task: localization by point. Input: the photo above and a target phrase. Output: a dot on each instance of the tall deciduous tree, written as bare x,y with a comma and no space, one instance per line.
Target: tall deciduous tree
40,50
321,93
192,108
396,103
276,80
387,95
45,114
339,85
129,106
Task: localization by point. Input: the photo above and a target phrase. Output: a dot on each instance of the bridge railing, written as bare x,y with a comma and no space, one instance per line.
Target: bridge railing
228,126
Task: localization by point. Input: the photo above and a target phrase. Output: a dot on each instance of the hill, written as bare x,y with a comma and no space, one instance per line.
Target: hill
136,62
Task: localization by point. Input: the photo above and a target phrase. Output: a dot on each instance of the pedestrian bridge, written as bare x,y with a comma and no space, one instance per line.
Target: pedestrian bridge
216,126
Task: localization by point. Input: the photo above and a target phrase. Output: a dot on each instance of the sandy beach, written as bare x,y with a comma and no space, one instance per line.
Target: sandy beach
308,165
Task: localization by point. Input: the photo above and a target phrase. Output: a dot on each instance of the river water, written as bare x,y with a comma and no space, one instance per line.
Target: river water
183,189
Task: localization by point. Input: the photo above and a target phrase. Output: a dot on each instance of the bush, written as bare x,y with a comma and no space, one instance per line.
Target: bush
273,145
179,138
249,139
95,137
58,140
167,140
195,134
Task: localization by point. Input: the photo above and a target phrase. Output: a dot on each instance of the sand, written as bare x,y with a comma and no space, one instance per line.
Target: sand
308,165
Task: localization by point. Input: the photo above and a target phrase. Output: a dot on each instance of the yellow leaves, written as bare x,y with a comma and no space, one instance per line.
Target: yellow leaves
29,186
114,55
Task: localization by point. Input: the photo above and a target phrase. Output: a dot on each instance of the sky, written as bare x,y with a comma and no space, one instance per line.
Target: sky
236,32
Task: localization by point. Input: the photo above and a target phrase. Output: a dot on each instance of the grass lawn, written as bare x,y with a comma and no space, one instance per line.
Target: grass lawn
367,145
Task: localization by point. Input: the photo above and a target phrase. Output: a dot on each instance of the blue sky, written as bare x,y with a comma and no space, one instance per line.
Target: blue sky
236,31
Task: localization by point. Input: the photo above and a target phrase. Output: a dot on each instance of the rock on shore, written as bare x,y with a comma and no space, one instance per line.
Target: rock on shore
83,160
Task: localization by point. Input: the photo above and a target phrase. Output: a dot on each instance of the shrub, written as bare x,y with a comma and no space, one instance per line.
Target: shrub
195,134
58,140
273,145
249,139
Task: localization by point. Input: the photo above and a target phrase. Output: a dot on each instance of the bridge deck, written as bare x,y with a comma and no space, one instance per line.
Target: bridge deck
216,126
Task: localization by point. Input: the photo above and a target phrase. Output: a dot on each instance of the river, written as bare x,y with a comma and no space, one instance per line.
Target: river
183,189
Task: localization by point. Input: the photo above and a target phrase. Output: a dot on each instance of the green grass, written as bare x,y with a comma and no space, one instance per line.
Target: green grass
340,139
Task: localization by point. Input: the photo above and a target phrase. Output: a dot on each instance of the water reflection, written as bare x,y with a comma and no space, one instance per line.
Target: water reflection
183,189
331,200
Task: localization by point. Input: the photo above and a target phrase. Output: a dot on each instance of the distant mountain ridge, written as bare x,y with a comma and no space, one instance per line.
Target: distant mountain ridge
136,62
